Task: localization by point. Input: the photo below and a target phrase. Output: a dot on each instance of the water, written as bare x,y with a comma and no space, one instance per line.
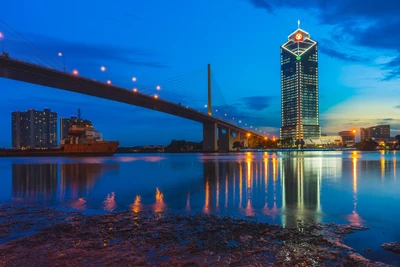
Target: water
343,187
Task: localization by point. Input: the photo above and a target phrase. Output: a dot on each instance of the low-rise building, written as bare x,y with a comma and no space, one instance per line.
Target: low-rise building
378,131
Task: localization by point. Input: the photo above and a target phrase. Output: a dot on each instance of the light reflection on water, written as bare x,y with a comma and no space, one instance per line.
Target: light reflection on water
353,187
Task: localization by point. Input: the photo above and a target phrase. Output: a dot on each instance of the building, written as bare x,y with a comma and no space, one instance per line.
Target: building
324,141
348,137
34,129
299,87
66,123
379,131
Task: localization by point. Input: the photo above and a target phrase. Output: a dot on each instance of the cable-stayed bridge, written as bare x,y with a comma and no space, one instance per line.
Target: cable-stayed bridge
188,96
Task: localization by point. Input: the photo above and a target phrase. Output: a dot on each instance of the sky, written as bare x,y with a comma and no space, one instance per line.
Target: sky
169,42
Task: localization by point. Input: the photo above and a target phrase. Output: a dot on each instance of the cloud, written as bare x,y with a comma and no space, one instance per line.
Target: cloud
262,4
91,53
256,103
336,54
364,23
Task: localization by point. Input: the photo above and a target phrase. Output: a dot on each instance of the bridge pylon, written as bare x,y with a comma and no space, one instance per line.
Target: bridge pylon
209,91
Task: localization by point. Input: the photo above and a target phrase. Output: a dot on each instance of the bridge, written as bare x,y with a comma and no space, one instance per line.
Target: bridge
228,133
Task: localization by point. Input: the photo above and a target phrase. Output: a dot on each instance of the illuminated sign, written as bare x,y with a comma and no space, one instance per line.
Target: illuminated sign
298,37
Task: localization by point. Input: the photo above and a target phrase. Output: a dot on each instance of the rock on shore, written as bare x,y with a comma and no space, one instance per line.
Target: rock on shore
44,237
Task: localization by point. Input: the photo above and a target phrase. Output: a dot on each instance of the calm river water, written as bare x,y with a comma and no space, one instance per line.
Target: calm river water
276,187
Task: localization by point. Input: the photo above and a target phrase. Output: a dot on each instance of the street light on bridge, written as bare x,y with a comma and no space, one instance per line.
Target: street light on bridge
156,96
135,90
75,72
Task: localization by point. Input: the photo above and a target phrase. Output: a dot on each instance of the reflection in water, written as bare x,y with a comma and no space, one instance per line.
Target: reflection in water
159,206
109,203
136,206
34,182
39,183
295,188
354,218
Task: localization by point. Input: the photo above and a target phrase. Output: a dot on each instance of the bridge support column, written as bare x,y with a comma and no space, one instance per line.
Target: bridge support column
210,137
245,139
223,139
233,139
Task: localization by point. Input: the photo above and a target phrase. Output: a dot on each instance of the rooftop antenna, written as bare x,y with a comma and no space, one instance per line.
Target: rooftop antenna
298,24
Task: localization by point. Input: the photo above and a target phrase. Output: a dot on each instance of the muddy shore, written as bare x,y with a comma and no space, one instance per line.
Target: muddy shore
32,236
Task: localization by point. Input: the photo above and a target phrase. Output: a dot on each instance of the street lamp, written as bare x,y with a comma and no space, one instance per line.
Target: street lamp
75,72
61,55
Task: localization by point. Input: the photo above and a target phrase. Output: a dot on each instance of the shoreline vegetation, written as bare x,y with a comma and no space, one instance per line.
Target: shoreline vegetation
37,236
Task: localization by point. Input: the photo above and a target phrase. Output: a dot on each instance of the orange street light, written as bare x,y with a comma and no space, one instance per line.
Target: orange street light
108,82
265,138
75,72
354,131
274,139
248,135
135,90
156,96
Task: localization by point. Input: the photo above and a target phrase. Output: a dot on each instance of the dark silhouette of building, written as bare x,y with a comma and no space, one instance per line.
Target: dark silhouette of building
66,123
348,137
378,131
299,84
34,129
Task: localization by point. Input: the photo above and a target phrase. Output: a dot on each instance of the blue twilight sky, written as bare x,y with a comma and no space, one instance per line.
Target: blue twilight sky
157,40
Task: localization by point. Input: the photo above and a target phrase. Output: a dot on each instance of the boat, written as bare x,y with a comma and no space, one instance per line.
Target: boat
82,140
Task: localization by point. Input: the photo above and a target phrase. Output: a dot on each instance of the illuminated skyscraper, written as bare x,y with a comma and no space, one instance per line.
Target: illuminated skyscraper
34,129
299,84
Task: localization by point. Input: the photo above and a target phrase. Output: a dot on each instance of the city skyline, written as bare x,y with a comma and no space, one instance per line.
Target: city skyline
357,88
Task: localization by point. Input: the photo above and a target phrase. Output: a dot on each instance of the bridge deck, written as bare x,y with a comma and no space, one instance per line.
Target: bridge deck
35,74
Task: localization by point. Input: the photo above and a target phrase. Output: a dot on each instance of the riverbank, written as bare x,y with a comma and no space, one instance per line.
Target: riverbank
32,236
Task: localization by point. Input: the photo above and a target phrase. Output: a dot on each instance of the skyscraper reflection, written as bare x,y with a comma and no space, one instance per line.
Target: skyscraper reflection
267,185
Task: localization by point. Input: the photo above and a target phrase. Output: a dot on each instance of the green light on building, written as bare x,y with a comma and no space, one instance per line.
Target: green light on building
298,57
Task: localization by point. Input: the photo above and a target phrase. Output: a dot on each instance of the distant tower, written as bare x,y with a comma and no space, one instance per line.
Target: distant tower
79,113
299,87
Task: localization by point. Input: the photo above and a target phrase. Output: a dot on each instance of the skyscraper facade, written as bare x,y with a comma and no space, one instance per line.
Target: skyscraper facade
34,129
299,87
